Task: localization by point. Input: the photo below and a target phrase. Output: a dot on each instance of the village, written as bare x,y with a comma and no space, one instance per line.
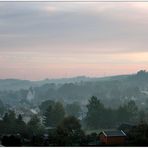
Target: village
123,135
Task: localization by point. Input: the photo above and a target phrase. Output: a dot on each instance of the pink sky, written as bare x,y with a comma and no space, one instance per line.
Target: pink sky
53,40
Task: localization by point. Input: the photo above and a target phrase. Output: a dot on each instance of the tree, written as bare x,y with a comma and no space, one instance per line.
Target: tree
142,115
142,73
73,109
34,126
54,114
11,141
6,117
45,104
127,112
69,131
2,108
11,116
138,136
94,118
21,125
132,108
9,122
58,113
12,125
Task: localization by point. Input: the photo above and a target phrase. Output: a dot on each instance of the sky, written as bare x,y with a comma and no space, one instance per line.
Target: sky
41,40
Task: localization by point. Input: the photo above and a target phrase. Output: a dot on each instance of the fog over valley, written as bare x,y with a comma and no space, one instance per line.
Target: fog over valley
73,73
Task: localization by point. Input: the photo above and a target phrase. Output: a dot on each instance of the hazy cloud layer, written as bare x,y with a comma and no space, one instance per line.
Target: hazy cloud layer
83,35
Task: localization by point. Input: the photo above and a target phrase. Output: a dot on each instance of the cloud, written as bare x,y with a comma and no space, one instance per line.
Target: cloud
51,37
50,8
74,27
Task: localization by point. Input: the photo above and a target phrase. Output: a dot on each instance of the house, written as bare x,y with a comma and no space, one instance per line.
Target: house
115,137
126,127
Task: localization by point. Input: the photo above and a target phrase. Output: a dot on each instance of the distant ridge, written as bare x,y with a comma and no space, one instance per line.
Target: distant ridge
16,84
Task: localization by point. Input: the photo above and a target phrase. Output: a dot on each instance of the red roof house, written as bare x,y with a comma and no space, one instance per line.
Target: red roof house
112,137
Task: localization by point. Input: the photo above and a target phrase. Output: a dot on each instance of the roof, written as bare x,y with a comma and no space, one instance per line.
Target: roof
126,126
115,133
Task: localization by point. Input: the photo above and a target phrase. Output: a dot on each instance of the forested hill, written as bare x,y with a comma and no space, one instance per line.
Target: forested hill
112,91
16,84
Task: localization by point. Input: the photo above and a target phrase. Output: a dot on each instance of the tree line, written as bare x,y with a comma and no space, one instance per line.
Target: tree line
99,116
62,125
52,113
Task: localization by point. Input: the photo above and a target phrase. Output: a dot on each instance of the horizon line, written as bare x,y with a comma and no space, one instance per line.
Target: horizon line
70,77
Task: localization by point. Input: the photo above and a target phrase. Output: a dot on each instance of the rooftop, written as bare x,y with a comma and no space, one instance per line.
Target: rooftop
114,133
